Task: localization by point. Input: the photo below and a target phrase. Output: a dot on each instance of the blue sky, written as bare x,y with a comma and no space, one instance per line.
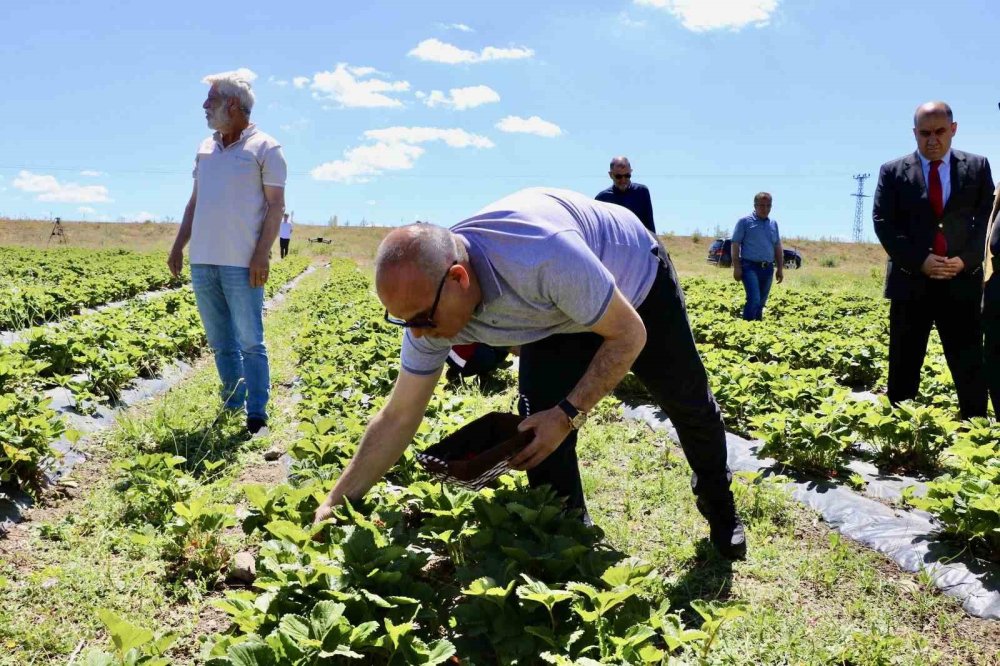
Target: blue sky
397,111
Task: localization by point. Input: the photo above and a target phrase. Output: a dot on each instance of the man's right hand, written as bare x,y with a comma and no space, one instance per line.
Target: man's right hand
737,272
324,511
175,262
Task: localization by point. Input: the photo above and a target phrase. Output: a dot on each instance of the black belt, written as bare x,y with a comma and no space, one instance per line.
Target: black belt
762,264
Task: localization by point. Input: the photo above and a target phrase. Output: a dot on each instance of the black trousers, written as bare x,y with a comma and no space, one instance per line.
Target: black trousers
959,324
991,345
283,244
671,370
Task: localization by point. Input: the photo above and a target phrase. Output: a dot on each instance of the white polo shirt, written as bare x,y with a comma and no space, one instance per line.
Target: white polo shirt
230,206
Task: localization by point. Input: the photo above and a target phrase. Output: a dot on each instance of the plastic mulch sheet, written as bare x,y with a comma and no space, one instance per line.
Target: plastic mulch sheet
908,537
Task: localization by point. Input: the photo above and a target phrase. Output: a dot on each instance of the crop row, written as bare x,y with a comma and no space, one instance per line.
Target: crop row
46,285
793,397
842,312
94,357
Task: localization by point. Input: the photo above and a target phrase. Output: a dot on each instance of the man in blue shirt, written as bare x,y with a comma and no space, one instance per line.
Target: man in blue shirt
588,294
756,252
624,192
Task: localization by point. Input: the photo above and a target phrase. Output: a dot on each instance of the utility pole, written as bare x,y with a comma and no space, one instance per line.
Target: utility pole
859,209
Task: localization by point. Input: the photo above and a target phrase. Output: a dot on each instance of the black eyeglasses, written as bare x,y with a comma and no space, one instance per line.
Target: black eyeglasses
621,176
423,321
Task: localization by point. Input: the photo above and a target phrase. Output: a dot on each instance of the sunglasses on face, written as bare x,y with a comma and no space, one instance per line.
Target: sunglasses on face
621,176
421,320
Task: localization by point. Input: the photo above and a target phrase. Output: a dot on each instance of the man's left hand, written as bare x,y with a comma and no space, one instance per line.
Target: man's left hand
779,275
260,268
954,266
551,428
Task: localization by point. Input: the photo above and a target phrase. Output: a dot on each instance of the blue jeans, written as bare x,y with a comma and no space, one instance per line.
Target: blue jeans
757,284
233,315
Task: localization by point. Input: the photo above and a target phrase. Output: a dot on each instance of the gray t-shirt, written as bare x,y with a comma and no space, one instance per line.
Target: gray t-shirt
547,261
230,206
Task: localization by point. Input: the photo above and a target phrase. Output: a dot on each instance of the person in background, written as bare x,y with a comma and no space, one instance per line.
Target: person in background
930,212
624,192
285,234
758,257
231,221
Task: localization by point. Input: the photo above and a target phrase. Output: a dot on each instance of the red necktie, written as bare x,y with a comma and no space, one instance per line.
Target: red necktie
936,193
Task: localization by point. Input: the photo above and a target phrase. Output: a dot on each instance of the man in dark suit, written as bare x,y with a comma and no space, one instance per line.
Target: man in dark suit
930,214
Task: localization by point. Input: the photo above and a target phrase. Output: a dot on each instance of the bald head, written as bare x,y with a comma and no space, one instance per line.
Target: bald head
426,249
934,128
932,109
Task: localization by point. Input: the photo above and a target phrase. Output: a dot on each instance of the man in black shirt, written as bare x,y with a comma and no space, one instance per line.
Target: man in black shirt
627,194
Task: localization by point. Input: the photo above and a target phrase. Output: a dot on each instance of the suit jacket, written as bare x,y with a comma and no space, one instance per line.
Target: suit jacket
906,224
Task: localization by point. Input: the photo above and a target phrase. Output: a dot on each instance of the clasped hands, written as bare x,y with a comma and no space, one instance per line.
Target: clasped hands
937,267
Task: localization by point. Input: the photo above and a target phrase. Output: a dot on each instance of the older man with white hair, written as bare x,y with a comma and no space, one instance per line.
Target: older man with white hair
231,221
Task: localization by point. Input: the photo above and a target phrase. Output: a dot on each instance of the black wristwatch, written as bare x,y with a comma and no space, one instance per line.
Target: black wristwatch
576,417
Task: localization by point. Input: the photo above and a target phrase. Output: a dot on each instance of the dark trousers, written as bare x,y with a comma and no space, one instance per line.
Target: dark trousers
959,324
991,346
283,244
668,366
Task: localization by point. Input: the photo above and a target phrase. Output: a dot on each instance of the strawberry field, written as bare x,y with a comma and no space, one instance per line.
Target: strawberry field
422,573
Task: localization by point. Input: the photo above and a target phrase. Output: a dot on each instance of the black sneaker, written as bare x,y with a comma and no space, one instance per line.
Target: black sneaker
726,530
256,425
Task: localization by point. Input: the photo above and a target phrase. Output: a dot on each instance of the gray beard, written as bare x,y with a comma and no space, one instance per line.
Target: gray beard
219,119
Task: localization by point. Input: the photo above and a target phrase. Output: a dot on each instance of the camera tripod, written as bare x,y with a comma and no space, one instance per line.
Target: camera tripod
57,231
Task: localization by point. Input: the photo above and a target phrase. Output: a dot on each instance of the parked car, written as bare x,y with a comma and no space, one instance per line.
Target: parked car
720,253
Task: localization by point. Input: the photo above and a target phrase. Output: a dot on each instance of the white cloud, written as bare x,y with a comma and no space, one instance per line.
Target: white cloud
371,202
395,149
300,81
456,138
361,163
704,15
434,50
532,125
277,82
49,189
462,98
244,73
92,174
456,26
349,87
86,210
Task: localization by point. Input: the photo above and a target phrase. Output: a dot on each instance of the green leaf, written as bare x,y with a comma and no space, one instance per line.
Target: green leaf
124,635
252,654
